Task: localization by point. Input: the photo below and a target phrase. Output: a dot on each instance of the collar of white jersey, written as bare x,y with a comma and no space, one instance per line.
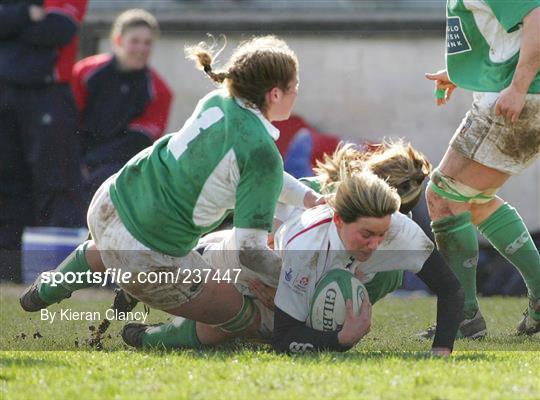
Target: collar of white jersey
272,130
335,241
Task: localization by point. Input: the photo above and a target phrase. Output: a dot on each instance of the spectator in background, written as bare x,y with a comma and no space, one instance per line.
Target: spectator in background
124,104
39,152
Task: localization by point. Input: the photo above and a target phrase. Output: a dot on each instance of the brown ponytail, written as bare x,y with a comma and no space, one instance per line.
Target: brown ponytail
256,66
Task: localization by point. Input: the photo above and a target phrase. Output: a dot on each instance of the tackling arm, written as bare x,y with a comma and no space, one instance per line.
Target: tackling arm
297,194
256,255
245,247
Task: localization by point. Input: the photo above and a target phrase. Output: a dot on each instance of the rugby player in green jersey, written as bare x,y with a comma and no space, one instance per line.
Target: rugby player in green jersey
493,49
150,215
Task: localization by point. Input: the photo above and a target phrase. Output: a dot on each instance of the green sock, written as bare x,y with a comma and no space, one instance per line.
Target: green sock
506,231
457,242
74,263
180,332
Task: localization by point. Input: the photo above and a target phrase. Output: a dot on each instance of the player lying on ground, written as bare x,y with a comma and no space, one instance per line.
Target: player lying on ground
408,169
494,50
150,215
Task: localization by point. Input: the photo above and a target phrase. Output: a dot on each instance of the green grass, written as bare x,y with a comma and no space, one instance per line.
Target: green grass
389,364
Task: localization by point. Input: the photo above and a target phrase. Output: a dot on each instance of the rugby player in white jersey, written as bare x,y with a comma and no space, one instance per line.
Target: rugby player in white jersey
359,230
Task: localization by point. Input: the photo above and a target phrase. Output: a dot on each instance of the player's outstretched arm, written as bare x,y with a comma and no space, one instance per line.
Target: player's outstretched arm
450,299
297,194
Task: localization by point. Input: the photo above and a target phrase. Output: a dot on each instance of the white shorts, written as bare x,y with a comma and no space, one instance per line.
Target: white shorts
120,250
495,142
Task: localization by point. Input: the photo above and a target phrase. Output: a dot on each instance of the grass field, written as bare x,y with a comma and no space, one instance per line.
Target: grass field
39,360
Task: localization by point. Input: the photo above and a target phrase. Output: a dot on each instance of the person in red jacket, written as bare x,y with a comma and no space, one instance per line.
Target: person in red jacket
39,151
124,104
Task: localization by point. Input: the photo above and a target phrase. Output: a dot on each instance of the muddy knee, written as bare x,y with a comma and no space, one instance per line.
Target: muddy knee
437,206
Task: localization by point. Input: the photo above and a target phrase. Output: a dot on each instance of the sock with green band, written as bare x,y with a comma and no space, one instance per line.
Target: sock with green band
179,333
242,319
457,242
75,263
506,231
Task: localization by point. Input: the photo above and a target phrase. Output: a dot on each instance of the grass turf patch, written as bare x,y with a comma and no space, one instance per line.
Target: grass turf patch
389,363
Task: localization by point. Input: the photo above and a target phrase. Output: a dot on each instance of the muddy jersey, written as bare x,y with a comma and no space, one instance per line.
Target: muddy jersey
483,39
223,158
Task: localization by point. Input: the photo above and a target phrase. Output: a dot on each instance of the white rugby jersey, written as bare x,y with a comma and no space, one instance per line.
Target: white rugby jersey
309,246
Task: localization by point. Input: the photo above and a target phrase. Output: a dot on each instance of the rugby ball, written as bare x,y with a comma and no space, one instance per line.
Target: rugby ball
327,309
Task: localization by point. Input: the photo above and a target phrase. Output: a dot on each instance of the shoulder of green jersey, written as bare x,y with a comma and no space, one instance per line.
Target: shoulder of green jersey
271,129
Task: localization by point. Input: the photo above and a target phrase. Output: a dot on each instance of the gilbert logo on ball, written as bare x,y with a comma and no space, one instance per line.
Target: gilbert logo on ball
327,308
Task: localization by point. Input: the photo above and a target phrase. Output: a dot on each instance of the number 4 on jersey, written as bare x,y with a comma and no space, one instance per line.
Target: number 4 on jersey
192,128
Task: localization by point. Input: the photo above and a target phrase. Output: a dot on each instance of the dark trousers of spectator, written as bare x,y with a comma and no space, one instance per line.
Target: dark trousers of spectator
102,160
95,177
40,178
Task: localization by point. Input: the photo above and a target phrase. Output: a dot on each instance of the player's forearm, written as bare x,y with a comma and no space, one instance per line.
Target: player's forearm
264,262
450,299
293,192
529,57
253,253
293,336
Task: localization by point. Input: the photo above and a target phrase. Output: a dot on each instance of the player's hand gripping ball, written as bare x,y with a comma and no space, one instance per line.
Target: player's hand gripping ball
328,305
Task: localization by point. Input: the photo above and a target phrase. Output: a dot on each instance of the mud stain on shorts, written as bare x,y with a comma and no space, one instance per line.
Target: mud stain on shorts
521,141
106,212
495,142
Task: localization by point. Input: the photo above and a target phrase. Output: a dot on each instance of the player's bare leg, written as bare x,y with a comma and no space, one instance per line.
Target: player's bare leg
455,214
217,315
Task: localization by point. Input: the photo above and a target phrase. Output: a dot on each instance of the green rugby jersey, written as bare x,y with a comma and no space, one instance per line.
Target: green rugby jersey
182,187
483,42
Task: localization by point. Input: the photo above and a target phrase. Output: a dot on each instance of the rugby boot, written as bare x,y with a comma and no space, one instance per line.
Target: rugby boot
133,332
473,328
30,300
529,325
123,301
